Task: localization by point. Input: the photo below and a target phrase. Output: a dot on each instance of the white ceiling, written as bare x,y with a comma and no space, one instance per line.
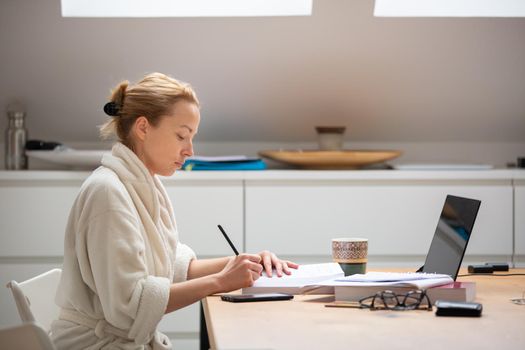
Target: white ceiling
274,79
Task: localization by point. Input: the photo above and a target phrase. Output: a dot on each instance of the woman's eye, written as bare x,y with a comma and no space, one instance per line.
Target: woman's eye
180,137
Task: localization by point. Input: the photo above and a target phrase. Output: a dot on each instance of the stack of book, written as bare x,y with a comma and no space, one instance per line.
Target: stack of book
328,278
437,287
224,163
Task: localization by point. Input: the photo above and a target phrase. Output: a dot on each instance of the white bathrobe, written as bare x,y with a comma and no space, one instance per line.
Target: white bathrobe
121,253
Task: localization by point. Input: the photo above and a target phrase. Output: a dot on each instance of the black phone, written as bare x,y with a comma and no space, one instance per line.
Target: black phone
457,308
241,298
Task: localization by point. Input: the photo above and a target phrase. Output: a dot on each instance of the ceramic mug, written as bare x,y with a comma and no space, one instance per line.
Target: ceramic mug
330,138
351,254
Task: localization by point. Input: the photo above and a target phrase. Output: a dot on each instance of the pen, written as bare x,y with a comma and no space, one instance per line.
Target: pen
228,239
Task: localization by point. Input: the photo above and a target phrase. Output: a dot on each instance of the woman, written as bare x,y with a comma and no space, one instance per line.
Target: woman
124,267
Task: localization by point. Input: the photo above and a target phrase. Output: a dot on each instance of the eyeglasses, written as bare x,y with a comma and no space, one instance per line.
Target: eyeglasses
413,300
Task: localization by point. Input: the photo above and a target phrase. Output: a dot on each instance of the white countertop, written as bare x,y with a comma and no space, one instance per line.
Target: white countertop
341,175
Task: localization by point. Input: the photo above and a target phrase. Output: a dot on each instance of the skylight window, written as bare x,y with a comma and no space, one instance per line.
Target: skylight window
449,8
185,8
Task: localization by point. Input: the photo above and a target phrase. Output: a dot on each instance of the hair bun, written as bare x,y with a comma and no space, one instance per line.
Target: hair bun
112,109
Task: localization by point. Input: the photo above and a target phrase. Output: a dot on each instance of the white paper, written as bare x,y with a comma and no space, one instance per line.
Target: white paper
305,275
393,279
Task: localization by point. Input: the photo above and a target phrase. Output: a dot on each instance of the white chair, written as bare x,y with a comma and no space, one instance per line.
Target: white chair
35,298
27,336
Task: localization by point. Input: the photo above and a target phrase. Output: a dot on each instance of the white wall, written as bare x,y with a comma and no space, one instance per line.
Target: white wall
389,80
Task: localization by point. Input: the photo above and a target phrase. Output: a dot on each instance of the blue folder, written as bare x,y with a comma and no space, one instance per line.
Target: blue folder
254,164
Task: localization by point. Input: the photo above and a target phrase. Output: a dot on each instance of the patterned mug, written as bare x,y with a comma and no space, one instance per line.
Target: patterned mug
351,254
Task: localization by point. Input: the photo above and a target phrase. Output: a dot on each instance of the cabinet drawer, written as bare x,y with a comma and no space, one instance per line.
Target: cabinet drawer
200,206
301,219
34,218
519,217
185,320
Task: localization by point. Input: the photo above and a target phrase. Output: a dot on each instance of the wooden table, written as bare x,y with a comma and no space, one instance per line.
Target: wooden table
305,323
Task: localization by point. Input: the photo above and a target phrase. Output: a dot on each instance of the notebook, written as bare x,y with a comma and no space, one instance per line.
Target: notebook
305,279
451,237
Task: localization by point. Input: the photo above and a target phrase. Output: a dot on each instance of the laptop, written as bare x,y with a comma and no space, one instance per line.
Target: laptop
452,234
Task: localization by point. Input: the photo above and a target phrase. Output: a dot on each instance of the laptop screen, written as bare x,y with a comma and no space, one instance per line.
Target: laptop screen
452,235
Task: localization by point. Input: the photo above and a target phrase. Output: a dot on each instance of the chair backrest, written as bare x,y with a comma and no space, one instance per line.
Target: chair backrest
27,336
35,298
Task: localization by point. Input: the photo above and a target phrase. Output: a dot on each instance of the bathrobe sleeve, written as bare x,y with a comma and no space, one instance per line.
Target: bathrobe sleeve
115,268
184,255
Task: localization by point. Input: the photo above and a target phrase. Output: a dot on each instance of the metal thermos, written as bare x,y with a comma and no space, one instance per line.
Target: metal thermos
15,141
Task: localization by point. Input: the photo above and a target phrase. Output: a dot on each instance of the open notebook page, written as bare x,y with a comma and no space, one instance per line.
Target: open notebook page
305,275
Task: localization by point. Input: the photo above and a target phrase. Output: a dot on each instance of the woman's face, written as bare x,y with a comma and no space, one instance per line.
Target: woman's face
164,148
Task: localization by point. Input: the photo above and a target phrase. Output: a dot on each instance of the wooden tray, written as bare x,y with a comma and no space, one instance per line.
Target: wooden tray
345,159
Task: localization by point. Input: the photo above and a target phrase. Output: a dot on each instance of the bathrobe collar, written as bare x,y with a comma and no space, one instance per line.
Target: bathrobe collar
152,204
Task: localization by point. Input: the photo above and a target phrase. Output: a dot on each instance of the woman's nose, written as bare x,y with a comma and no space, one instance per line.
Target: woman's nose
188,152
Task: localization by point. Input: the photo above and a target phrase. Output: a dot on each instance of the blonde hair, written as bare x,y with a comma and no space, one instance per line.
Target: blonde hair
152,97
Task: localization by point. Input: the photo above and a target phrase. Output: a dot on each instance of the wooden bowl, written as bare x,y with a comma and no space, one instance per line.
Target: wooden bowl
345,159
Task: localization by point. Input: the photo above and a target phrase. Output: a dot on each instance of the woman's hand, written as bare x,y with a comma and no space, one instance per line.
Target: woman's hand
269,260
240,272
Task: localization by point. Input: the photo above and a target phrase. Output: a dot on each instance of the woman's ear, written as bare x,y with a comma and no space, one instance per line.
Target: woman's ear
140,128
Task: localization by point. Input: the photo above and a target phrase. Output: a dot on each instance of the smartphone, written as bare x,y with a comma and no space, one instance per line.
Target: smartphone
457,308
241,298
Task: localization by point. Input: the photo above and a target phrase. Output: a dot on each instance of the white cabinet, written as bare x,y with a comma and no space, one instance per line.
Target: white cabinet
301,218
519,219
34,216
293,213
184,320
200,206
